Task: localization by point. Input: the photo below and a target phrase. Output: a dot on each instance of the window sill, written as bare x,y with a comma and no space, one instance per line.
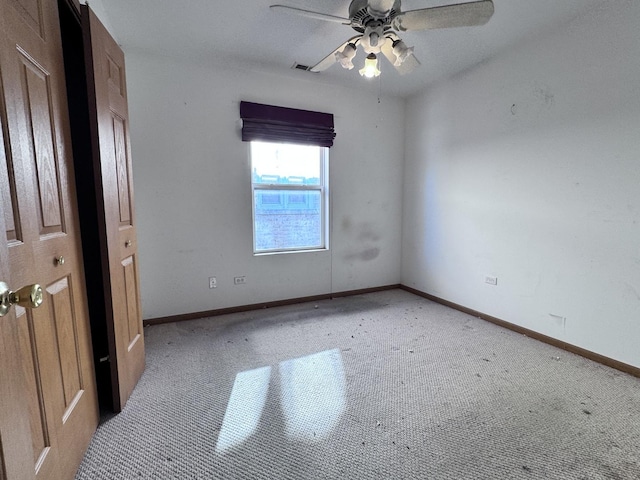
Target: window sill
282,252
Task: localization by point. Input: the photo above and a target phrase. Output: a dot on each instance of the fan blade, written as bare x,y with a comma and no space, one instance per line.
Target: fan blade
330,59
380,8
310,14
408,66
447,16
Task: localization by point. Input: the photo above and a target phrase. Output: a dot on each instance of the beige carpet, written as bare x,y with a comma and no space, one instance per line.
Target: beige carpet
385,385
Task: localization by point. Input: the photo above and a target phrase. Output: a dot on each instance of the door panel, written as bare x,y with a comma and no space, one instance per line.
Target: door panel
49,407
8,176
7,180
36,91
60,298
122,171
33,382
131,289
43,380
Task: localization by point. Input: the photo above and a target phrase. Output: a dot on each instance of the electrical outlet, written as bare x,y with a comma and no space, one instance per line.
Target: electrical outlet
213,283
239,280
491,280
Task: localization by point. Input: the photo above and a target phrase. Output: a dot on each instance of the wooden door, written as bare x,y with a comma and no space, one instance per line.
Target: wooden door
49,407
108,108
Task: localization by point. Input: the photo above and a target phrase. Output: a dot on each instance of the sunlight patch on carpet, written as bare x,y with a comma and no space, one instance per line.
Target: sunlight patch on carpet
245,407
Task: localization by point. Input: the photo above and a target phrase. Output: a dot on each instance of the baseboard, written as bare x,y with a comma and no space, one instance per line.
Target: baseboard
259,306
596,357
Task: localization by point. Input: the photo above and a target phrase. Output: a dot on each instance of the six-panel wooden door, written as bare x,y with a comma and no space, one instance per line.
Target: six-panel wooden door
49,407
110,119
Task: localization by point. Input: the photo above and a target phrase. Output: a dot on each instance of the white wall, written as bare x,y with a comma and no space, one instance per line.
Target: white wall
193,190
528,168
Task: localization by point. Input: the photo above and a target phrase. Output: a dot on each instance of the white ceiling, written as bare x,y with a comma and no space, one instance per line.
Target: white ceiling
247,32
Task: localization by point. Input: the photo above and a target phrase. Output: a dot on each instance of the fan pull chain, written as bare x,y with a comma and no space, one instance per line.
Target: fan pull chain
379,113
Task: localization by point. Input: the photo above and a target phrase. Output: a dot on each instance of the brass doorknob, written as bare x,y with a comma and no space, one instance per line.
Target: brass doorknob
29,296
59,260
127,243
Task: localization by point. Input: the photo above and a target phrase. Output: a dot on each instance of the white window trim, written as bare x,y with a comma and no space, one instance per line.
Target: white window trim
324,206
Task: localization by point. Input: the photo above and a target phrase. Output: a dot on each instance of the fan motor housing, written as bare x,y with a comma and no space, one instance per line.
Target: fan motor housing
360,16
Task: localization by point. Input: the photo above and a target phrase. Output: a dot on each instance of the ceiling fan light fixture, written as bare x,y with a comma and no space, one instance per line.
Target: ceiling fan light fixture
345,57
401,51
373,37
378,22
370,69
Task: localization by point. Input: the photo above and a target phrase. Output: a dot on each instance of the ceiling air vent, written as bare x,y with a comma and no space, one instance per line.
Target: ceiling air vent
299,66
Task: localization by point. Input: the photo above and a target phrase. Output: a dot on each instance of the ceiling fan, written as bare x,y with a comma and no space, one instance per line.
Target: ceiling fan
377,23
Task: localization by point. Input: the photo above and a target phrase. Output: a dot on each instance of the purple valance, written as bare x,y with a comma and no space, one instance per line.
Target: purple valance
268,123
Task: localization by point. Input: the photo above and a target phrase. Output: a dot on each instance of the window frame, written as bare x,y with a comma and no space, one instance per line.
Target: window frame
322,188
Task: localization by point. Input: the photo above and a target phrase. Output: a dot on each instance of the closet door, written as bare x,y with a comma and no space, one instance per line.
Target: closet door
49,407
107,92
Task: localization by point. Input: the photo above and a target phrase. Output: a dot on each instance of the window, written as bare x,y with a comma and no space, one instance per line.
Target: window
289,184
289,168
